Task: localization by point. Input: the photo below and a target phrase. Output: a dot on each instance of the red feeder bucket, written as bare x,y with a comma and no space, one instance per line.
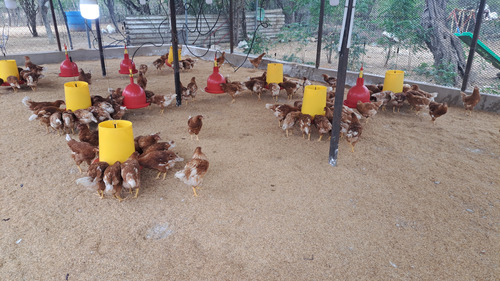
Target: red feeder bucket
214,81
127,64
68,68
134,95
358,92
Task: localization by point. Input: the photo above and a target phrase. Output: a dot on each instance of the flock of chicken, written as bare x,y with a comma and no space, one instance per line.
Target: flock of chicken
28,76
150,153
350,125
153,154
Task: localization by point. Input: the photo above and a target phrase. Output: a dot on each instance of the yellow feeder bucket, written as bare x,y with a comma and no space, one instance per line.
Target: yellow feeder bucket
116,141
8,68
171,56
274,73
394,81
77,95
314,100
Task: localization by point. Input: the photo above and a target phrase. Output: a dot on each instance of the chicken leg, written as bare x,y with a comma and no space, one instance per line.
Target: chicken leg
194,191
117,196
136,192
352,147
320,137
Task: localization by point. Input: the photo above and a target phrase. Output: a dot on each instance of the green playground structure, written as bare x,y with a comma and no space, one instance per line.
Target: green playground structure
481,49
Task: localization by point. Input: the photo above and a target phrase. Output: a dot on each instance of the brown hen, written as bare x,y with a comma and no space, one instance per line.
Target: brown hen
194,125
85,134
437,109
160,160
131,173
85,77
256,61
368,109
354,131
113,180
195,170
81,151
470,101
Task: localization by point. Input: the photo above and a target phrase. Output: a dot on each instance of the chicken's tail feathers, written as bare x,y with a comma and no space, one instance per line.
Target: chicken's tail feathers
269,105
180,174
433,95
33,117
68,137
25,101
109,188
86,182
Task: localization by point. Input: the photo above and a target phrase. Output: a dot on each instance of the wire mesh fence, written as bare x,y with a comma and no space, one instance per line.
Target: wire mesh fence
391,34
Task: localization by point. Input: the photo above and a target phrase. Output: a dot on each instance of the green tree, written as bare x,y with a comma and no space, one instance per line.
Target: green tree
401,19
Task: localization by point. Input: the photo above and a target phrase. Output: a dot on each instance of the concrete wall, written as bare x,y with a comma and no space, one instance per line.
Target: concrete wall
450,95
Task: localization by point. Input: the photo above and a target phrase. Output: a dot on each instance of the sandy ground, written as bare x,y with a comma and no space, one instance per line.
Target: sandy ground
413,202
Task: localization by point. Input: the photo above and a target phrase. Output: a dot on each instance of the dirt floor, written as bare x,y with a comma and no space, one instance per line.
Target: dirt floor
413,202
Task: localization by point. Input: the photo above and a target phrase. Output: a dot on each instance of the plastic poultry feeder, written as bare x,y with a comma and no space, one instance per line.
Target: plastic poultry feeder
8,68
116,141
214,81
394,80
358,93
77,95
134,95
126,64
314,100
68,68
274,73
170,58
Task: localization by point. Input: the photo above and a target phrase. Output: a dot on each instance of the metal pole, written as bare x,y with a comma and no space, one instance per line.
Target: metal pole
87,30
99,43
339,90
55,25
231,31
473,44
256,12
175,48
186,22
320,32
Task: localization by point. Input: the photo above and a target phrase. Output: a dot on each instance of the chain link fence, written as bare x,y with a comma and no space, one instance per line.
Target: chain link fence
386,35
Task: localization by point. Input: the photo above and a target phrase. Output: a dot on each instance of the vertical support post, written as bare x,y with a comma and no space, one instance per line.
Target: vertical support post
320,32
175,50
339,90
231,26
256,12
473,44
55,25
186,34
87,30
99,43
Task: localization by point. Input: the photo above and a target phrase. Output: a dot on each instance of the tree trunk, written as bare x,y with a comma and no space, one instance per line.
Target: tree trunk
43,12
133,8
110,4
30,10
445,47
243,25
